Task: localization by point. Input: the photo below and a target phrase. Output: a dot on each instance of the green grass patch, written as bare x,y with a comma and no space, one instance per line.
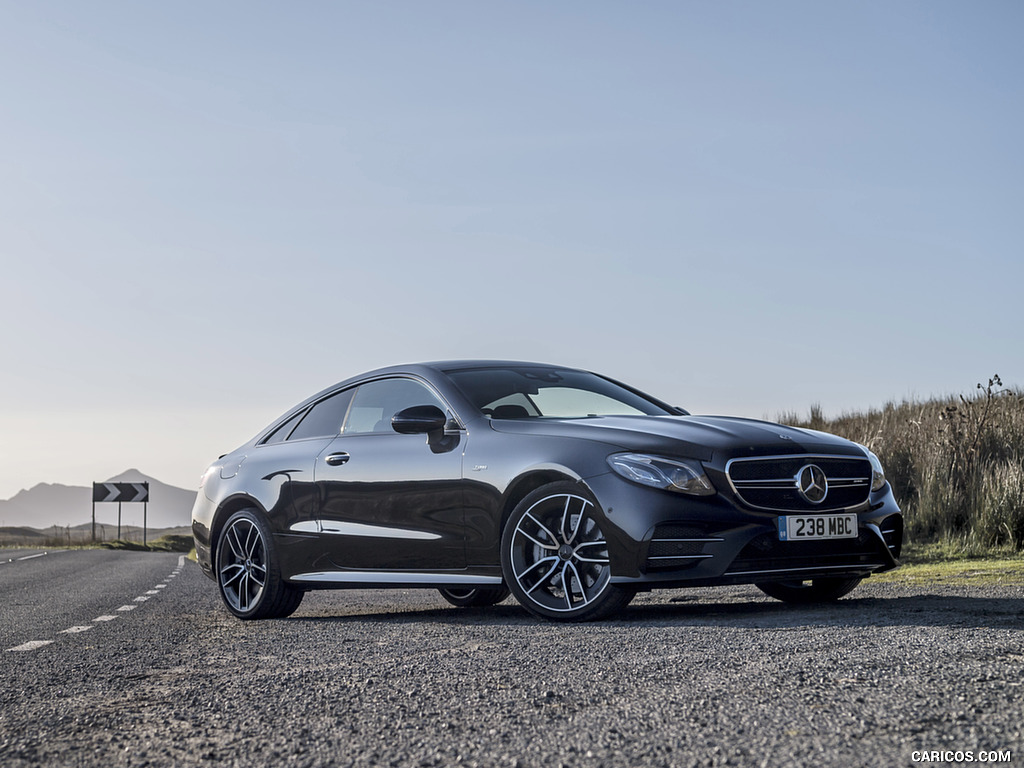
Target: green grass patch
948,563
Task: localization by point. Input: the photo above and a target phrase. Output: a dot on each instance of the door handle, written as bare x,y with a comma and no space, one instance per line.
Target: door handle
337,459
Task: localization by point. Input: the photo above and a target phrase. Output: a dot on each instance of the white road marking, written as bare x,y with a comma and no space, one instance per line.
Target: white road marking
31,645
32,557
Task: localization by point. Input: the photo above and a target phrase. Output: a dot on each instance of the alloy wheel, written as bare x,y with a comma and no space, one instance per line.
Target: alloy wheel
558,554
242,565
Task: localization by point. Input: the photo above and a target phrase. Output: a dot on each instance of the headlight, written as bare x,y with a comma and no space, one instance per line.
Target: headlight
877,473
677,475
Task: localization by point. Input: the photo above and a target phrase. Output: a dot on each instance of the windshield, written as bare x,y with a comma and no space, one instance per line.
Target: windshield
536,392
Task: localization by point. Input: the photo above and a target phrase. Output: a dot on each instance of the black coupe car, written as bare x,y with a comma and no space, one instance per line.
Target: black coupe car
568,489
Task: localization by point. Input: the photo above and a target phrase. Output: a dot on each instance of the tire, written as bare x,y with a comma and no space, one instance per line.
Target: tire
248,571
474,597
802,592
555,558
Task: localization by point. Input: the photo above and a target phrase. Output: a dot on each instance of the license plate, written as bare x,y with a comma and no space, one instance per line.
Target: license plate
804,527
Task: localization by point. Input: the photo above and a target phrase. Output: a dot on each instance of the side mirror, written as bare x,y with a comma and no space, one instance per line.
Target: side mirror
419,420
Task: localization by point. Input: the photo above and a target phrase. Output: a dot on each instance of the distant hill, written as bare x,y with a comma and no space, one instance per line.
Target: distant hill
49,504
21,533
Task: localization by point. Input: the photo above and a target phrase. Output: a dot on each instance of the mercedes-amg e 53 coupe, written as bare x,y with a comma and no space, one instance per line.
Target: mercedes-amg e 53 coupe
568,489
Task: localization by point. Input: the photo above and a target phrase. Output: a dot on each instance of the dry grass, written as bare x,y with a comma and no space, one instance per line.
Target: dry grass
956,465
79,537
170,543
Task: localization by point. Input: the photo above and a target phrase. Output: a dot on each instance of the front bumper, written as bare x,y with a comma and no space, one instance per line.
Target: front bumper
657,538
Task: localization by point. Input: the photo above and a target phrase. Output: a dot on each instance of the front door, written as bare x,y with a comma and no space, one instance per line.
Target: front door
389,501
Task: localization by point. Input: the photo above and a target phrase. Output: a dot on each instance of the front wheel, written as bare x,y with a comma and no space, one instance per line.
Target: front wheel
474,597
248,573
555,558
814,591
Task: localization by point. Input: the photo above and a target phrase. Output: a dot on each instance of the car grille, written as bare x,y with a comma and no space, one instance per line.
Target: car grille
675,547
766,553
772,483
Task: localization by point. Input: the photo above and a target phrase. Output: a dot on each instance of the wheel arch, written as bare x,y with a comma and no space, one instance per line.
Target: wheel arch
224,512
528,482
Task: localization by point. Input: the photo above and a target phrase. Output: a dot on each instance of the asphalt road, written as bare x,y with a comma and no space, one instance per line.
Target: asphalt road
398,678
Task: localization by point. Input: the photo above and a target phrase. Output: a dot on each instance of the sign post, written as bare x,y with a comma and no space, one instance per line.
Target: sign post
120,492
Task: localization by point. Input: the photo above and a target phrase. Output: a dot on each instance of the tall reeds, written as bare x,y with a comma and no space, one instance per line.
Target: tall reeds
956,464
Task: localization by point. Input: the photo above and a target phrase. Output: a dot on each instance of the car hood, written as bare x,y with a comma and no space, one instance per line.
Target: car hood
699,437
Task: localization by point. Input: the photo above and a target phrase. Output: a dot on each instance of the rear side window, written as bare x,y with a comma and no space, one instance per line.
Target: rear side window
281,433
325,418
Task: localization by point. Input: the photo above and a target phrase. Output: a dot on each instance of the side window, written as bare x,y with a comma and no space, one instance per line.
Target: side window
375,403
324,419
281,433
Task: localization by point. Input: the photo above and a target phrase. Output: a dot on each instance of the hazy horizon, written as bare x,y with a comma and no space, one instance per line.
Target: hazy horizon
192,483
211,212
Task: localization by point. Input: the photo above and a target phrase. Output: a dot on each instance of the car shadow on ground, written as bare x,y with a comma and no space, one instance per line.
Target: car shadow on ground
932,610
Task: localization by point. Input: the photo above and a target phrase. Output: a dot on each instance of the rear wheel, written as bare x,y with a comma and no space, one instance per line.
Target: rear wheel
813,591
555,558
474,597
248,572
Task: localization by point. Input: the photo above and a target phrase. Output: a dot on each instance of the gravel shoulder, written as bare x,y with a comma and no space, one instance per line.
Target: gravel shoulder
398,678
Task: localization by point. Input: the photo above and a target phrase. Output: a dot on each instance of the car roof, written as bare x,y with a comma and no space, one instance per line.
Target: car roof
437,366
454,365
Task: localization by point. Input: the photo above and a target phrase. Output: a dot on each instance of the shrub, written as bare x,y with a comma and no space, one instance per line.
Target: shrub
169,543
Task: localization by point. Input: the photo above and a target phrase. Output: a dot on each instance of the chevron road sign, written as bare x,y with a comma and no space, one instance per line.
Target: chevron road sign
127,492
121,493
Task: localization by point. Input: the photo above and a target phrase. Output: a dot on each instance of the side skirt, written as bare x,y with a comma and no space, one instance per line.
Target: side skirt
393,578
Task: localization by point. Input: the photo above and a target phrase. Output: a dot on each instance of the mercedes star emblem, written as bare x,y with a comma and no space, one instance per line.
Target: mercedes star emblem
812,483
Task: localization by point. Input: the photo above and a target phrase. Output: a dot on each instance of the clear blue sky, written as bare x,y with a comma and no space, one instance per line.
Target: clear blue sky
210,210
